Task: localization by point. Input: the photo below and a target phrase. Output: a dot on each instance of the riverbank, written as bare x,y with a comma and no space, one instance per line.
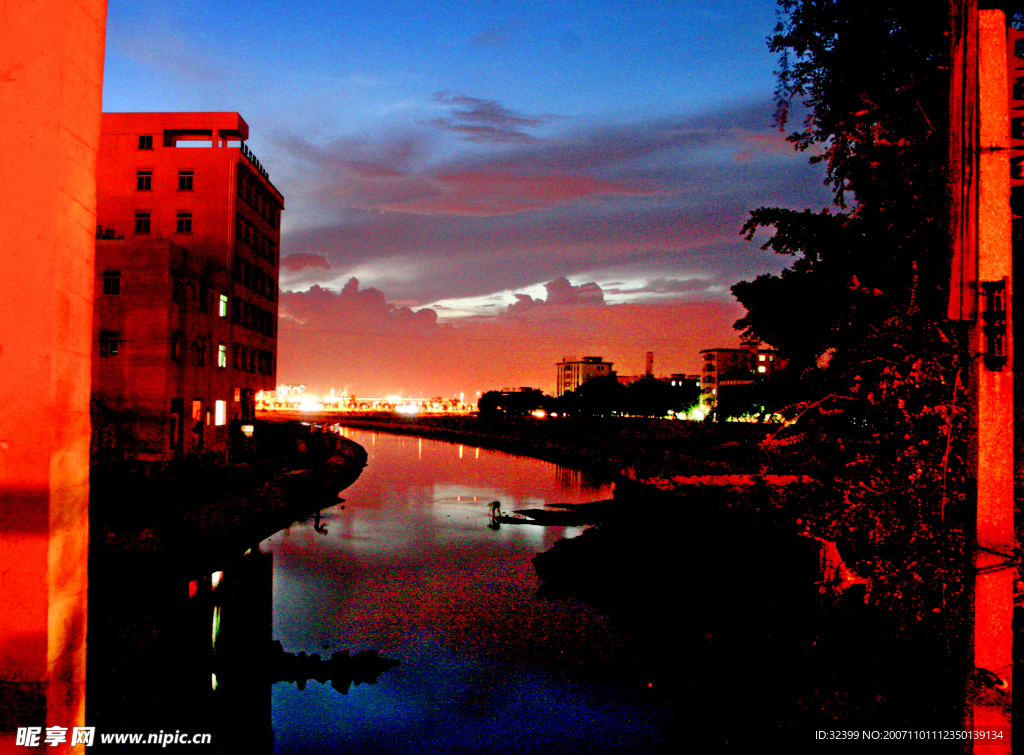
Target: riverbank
650,448
191,515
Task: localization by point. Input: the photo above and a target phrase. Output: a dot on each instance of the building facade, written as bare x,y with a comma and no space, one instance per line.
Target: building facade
572,374
722,368
185,289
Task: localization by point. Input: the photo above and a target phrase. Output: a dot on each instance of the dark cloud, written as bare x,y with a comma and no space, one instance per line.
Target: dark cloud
293,263
663,198
666,286
560,292
350,309
480,120
499,35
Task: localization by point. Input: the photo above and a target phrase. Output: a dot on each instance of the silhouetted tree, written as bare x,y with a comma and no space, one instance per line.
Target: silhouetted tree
868,287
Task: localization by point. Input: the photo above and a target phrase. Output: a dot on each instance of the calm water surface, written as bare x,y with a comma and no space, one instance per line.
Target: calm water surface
409,566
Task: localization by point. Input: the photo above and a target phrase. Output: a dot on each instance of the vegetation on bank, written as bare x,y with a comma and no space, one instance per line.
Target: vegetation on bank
193,512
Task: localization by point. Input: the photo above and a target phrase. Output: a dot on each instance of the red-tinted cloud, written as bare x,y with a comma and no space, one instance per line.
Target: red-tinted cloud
293,263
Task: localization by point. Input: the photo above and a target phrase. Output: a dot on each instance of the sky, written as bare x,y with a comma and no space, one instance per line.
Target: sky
477,190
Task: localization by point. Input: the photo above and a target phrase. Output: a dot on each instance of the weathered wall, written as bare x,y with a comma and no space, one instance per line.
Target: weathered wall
51,68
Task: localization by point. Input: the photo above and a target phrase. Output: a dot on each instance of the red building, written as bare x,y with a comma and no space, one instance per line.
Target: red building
185,293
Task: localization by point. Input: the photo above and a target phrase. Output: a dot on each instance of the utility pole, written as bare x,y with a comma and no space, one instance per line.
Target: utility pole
983,76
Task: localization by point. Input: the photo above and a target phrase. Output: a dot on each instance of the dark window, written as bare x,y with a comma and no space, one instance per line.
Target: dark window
177,289
200,347
109,341
143,180
184,222
112,282
177,348
145,142
204,297
185,180
142,222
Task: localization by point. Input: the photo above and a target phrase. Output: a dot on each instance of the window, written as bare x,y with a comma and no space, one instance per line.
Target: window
185,180
177,348
204,297
143,180
109,341
761,368
184,222
222,355
200,347
760,357
145,142
177,289
142,222
112,282
222,308
220,410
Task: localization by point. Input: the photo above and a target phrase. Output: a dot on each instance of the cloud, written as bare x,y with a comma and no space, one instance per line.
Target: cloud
351,309
660,198
496,193
480,120
356,338
499,35
293,263
666,286
560,292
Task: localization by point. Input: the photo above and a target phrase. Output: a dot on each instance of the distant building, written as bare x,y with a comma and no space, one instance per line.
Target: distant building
733,367
185,304
572,374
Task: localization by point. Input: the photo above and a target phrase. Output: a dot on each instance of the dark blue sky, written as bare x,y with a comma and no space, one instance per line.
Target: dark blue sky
458,156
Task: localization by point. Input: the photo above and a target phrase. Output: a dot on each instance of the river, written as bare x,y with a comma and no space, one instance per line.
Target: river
408,565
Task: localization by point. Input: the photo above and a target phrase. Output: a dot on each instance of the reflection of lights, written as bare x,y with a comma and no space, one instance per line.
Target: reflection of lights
216,625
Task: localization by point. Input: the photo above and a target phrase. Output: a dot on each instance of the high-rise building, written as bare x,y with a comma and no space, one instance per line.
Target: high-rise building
185,306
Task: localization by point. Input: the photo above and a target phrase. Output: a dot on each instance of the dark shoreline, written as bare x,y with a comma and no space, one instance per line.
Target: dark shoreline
650,447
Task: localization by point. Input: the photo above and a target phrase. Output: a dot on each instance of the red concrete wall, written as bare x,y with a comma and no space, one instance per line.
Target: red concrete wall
51,56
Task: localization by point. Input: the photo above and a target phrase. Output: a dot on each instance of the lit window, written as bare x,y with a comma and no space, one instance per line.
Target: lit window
109,340
222,355
185,180
222,308
145,142
142,222
761,368
760,357
220,412
143,180
184,222
112,282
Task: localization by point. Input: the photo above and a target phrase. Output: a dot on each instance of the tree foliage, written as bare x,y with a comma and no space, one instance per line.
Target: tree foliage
864,84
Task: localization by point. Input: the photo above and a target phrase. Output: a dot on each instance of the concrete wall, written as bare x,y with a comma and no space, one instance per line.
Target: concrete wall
51,68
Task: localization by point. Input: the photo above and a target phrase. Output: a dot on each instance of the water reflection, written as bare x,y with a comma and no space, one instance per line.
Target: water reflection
410,567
